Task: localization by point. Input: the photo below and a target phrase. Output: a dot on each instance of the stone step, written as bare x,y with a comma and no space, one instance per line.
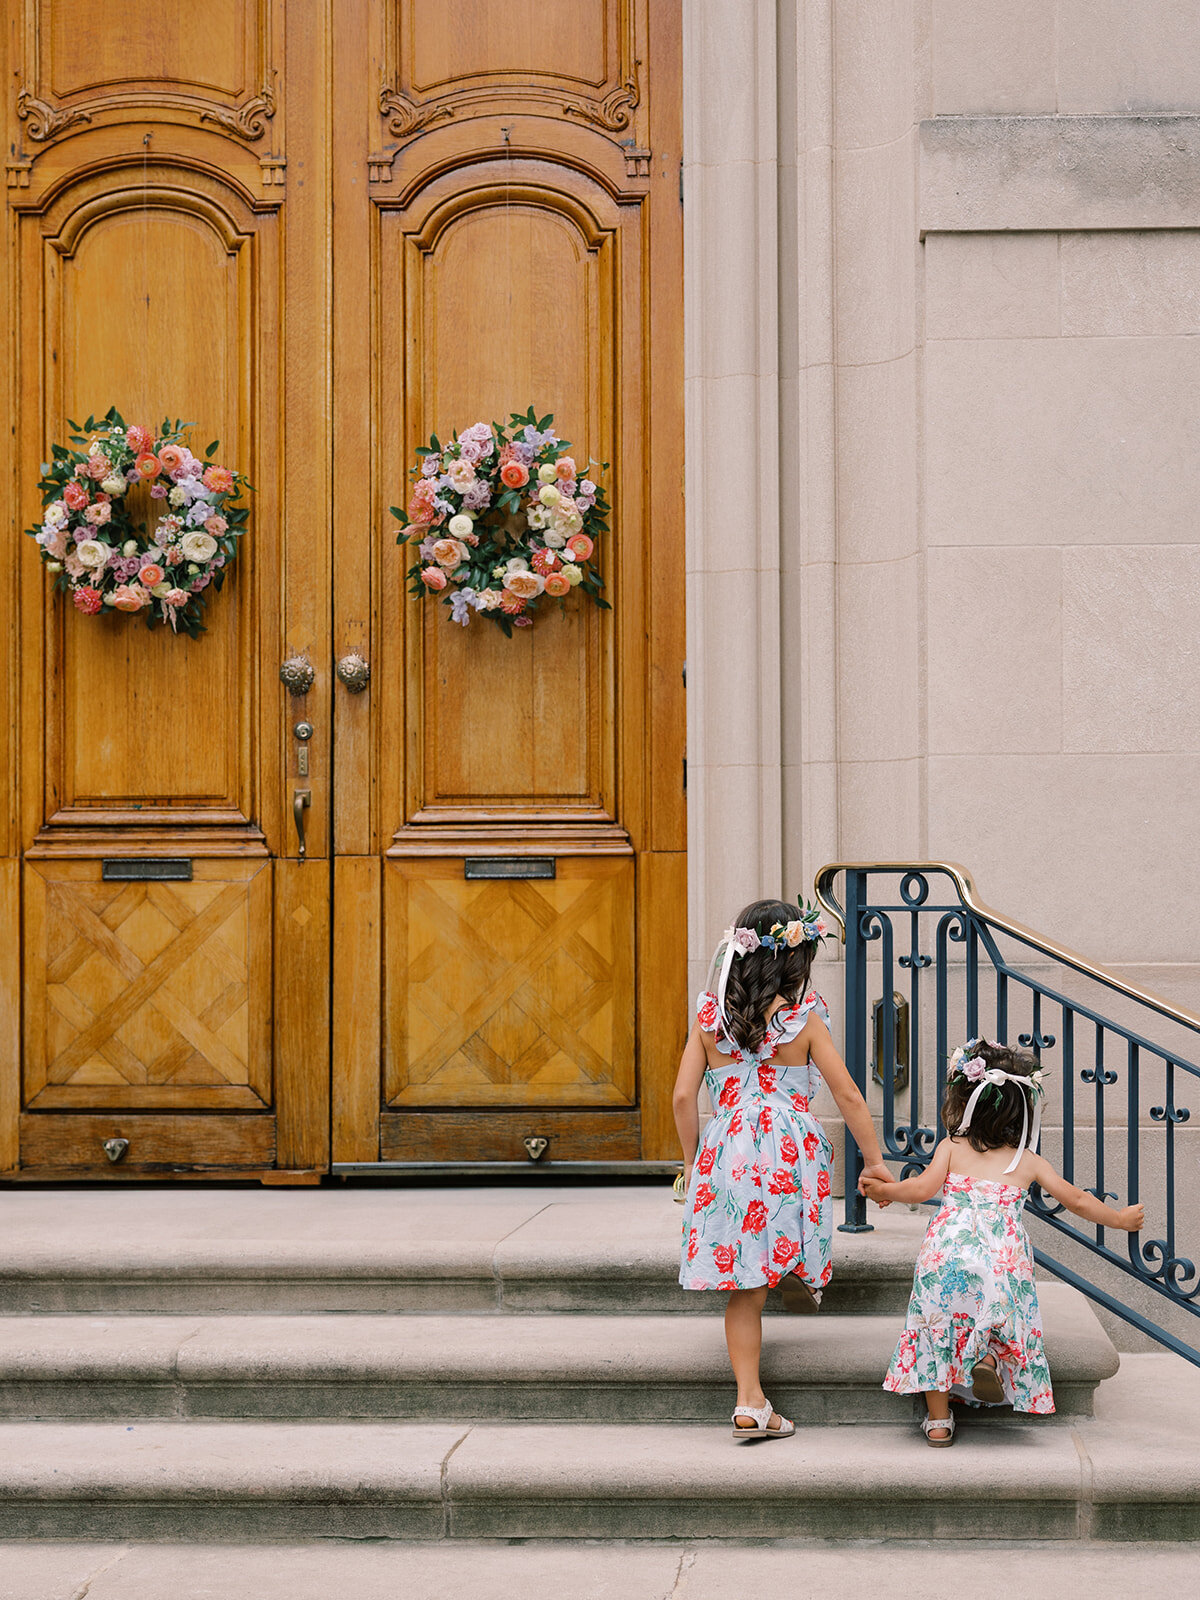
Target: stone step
1132,1472
615,1570
590,1250
822,1369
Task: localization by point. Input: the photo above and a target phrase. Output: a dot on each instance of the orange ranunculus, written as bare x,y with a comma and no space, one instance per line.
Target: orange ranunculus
130,597
557,585
218,479
580,546
151,576
147,464
170,457
514,475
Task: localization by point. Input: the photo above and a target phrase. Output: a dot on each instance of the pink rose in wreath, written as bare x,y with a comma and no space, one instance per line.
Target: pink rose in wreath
75,496
449,553
525,585
433,577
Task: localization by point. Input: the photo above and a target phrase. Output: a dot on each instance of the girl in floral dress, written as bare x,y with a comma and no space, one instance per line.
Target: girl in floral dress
758,1207
973,1327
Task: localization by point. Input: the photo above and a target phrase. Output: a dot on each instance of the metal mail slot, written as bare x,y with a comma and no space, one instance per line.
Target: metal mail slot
509,867
135,869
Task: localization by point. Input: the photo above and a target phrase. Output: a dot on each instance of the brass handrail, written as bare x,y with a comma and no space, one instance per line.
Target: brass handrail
967,894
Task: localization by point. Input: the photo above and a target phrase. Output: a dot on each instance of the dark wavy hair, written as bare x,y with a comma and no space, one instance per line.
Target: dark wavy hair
755,979
999,1112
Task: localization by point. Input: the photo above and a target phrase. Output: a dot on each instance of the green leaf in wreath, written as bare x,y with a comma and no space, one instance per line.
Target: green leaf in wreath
212,450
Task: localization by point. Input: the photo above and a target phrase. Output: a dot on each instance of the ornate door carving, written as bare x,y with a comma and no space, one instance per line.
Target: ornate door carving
322,233
516,241
157,257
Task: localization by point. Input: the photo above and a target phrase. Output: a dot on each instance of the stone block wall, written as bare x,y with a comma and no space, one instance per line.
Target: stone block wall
943,291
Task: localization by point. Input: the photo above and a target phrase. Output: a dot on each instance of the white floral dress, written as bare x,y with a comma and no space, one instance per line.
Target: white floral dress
759,1205
974,1295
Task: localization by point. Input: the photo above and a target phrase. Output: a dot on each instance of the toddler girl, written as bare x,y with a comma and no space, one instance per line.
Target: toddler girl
758,1208
973,1327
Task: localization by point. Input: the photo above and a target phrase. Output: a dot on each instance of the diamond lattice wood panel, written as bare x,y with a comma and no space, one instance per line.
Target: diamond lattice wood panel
144,995
512,992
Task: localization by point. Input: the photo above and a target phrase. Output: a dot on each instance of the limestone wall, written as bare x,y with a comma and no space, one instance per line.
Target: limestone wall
943,277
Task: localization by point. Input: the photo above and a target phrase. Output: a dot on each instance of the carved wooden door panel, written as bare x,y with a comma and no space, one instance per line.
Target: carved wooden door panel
507,233
167,253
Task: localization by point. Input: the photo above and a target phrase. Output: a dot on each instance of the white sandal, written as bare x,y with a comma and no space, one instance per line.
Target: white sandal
938,1422
761,1417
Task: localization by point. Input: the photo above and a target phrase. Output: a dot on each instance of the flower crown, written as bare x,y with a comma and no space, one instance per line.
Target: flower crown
808,927
967,1063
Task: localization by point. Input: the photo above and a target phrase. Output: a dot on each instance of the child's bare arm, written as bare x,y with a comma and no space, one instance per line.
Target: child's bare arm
849,1101
1131,1218
686,1097
922,1187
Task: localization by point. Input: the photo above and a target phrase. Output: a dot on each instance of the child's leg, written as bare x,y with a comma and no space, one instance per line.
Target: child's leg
938,1407
743,1336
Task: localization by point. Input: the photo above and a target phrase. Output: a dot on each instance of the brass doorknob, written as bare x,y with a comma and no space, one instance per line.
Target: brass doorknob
354,671
297,675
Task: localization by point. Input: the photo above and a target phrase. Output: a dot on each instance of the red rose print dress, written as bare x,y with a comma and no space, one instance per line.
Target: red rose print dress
759,1204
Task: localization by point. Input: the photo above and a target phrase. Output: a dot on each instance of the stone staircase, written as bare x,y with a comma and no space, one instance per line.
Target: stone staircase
489,1364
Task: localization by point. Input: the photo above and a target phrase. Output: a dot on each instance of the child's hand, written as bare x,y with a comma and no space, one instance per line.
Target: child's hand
1132,1218
874,1182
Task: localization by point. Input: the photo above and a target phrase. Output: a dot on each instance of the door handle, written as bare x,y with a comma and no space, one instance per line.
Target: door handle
354,672
300,800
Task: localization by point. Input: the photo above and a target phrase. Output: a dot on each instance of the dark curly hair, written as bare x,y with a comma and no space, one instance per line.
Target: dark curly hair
999,1112
755,979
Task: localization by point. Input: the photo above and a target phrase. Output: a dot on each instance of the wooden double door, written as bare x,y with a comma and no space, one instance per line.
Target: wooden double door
322,233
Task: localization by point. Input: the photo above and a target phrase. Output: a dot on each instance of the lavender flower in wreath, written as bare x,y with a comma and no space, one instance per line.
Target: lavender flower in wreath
745,940
478,496
431,466
462,603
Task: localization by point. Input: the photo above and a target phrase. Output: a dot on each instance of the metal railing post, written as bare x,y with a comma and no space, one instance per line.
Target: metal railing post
856,1040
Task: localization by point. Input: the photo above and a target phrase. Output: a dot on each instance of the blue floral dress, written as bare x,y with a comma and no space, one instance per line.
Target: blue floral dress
759,1204
974,1295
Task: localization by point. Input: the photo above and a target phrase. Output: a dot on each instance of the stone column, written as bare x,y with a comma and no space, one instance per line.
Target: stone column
731,163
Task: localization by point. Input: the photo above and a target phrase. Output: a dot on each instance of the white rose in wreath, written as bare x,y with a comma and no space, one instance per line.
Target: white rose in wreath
199,546
93,552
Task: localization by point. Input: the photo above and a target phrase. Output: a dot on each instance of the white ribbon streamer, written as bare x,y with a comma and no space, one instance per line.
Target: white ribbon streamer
726,964
995,1076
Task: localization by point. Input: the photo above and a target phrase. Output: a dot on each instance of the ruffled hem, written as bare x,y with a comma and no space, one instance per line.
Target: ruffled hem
740,1280
933,1360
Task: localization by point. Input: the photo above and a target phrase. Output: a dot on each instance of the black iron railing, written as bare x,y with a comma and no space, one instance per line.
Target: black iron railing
928,966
